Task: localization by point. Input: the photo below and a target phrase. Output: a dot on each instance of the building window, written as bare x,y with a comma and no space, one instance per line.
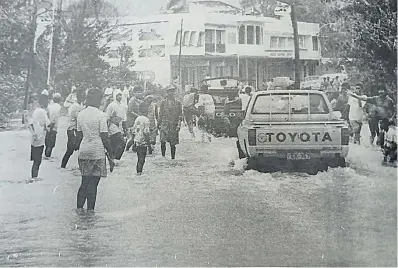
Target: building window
302,41
201,39
273,42
192,39
178,36
210,44
242,34
231,38
311,70
259,35
231,70
185,40
220,41
290,43
250,35
282,42
315,46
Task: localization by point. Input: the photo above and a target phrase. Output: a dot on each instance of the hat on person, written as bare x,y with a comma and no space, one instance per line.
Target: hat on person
149,97
73,90
45,92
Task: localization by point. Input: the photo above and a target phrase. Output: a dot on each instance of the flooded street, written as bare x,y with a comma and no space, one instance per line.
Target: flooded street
196,211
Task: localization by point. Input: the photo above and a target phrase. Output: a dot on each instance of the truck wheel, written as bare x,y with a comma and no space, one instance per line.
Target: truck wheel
240,151
341,162
251,163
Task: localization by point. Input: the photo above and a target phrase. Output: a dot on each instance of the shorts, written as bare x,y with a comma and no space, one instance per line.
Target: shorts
36,153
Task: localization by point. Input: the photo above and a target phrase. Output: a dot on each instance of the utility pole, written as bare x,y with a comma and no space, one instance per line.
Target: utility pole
50,54
179,57
31,58
297,63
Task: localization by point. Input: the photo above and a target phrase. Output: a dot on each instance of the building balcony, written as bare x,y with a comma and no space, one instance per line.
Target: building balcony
215,48
220,48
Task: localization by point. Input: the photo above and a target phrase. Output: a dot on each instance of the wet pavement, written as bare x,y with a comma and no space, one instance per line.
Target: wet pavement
196,211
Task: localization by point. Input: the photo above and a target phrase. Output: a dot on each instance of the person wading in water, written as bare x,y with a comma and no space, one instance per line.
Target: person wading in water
93,140
73,112
169,123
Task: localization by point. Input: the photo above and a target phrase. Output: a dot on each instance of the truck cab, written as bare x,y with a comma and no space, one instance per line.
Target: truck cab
292,126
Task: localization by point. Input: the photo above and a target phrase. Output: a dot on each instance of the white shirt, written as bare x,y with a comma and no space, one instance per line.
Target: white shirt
55,112
245,100
356,110
40,121
120,111
391,136
125,96
91,121
207,101
140,129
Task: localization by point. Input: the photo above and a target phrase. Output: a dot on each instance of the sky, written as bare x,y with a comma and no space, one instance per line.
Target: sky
142,7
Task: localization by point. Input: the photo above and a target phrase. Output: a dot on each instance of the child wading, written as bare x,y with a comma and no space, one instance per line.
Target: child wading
141,130
38,127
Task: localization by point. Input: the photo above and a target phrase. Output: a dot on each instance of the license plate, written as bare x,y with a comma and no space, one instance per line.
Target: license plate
298,156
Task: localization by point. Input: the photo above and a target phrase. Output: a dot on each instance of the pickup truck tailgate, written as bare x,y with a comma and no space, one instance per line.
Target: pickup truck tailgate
289,136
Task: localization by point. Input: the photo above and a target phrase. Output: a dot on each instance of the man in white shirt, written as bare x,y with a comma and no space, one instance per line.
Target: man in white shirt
356,113
125,95
54,110
116,115
245,97
38,128
207,109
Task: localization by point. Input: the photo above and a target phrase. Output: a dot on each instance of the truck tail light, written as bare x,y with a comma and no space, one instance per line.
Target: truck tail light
345,136
252,137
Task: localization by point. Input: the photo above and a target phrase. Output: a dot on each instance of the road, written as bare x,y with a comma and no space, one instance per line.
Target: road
197,211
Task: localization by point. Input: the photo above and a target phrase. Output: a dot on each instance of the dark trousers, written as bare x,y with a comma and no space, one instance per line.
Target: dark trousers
172,148
70,147
88,190
116,140
36,156
374,127
141,155
51,138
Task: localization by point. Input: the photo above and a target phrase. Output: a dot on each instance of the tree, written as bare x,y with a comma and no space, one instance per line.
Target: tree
80,60
307,10
14,44
371,43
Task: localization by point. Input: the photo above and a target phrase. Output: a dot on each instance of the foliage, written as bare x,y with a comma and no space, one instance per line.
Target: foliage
370,46
14,36
79,58
307,10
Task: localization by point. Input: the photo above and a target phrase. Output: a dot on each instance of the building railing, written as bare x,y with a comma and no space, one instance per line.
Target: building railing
212,48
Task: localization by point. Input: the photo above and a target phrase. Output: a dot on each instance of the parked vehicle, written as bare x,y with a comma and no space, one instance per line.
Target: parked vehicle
281,83
294,128
311,82
220,88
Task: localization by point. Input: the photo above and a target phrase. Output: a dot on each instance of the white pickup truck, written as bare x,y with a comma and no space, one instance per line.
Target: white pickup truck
292,127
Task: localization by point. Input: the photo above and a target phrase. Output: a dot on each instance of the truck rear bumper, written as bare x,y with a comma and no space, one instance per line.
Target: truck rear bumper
340,151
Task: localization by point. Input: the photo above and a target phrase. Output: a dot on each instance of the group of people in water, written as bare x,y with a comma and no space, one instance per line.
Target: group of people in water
103,124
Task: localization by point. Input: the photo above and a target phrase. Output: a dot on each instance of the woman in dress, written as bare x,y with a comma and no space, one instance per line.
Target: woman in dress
92,131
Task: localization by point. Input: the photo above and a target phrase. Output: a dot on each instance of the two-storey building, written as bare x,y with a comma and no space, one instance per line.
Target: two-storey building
217,43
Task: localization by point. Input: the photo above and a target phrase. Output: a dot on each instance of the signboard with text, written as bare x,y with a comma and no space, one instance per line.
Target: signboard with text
279,54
